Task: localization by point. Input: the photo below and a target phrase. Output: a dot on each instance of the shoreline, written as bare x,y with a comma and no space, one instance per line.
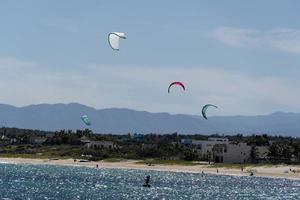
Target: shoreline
276,171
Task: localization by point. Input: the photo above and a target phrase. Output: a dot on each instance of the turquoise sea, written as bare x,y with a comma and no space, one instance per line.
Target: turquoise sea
59,182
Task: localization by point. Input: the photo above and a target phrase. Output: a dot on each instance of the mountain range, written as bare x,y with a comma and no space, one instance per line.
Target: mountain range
121,120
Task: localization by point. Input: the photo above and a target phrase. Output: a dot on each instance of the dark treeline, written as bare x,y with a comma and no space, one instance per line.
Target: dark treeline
133,146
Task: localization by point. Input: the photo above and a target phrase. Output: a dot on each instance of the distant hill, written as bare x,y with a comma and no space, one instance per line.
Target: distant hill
117,120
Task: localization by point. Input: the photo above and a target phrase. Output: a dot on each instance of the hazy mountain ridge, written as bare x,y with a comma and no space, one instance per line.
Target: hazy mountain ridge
123,120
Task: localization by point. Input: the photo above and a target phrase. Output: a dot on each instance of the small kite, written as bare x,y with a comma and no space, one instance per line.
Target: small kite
176,83
86,120
204,109
114,39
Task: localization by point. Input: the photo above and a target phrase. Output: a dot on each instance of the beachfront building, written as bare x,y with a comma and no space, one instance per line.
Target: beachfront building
220,150
37,140
237,153
204,147
96,144
100,144
85,140
4,140
231,153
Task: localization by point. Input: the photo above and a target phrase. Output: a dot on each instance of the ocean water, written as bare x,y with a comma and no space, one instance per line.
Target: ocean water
59,182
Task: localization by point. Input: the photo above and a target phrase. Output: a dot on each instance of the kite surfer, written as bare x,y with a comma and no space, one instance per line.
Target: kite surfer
147,181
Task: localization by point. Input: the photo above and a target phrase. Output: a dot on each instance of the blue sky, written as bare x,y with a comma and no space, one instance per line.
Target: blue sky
242,56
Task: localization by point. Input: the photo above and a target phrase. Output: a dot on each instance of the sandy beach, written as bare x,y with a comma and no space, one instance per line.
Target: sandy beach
275,171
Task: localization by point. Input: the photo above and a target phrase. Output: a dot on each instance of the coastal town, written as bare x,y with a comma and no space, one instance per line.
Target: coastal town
83,144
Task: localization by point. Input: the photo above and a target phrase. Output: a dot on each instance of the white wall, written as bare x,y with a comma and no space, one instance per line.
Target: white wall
237,153
204,146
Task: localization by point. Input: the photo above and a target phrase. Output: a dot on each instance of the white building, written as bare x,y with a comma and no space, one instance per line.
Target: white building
95,144
204,147
4,140
221,150
237,153
37,140
100,144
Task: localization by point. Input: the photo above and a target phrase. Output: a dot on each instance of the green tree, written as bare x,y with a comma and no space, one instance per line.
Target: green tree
190,154
253,153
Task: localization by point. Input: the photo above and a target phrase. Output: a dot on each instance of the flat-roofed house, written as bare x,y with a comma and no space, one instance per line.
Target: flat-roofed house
37,140
204,147
100,144
4,140
232,153
97,144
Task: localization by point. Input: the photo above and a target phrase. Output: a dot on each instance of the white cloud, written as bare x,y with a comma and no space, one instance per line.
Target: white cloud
145,88
287,40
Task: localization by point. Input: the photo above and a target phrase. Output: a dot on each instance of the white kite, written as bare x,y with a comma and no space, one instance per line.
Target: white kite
114,39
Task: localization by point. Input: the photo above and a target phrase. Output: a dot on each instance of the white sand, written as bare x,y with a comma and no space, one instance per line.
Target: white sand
276,171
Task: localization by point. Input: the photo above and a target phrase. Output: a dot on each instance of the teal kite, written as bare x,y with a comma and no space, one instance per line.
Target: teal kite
86,120
204,109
